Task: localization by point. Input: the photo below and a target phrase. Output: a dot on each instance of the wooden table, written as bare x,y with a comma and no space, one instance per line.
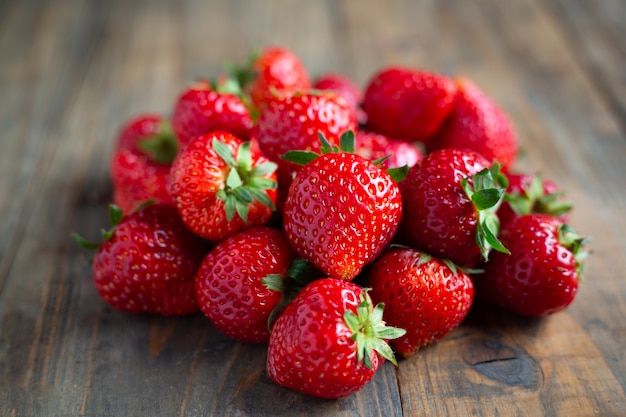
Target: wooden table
73,71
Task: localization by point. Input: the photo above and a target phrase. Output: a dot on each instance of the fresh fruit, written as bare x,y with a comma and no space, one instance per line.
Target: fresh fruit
147,262
542,272
374,146
407,103
346,88
528,193
423,295
295,122
477,123
211,106
140,165
330,341
449,199
341,210
273,72
229,284
221,186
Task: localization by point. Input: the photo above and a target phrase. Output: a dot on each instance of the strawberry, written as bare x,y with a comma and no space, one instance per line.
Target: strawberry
229,284
211,106
346,88
542,272
275,71
528,193
294,123
221,185
147,262
140,164
374,146
423,295
449,199
477,123
330,341
341,210
407,103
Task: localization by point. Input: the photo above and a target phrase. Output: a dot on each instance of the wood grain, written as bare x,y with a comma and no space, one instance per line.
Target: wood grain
73,71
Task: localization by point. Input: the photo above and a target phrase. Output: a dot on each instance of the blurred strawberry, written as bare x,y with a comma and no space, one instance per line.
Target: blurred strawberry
140,165
346,88
407,103
477,123
374,146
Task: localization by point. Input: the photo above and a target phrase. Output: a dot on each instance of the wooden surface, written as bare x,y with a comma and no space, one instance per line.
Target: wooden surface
72,71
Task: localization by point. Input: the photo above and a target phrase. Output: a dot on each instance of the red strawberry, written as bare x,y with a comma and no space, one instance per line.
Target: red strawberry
423,295
541,274
477,123
141,160
221,185
274,72
211,106
374,146
295,122
341,211
346,88
407,103
529,193
229,285
147,262
449,200
329,341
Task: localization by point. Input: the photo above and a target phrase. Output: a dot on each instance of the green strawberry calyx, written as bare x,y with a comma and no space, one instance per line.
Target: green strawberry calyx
299,274
534,199
115,216
346,145
369,330
486,191
244,183
571,240
161,147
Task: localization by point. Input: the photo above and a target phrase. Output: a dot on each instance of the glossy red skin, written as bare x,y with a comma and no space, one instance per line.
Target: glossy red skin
346,88
278,72
197,174
200,109
136,178
408,104
477,123
229,284
340,213
373,146
426,299
518,183
439,218
149,264
310,349
539,277
293,123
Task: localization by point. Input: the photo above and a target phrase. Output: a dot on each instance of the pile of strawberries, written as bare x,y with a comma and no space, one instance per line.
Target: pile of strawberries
336,224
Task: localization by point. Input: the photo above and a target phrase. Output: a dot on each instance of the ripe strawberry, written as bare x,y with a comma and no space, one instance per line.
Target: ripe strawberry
273,72
477,123
295,122
211,106
407,103
449,199
229,285
529,193
141,160
541,274
374,146
221,186
329,341
423,295
346,88
147,262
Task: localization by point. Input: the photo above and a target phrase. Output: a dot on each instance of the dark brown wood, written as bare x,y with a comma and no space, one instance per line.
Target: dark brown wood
73,71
